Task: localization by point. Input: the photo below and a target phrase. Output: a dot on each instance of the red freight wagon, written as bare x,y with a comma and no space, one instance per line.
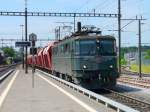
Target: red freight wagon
36,61
40,58
45,58
29,60
48,56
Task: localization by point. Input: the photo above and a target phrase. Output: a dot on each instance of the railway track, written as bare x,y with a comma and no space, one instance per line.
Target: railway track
4,76
135,73
127,72
127,100
140,82
6,70
4,67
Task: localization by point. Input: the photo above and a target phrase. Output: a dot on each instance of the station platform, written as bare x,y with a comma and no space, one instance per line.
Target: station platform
17,94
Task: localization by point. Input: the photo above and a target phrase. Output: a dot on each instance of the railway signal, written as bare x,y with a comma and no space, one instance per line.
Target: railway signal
32,37
33,50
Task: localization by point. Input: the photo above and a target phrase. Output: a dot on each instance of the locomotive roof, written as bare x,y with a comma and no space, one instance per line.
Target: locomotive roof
82,37
94,37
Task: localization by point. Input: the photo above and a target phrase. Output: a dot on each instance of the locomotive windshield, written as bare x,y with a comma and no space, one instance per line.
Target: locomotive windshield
85,47
94,47
107,47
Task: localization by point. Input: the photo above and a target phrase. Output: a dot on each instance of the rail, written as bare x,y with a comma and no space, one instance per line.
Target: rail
145,83
128,100
5,75
129,72
4,67
99,98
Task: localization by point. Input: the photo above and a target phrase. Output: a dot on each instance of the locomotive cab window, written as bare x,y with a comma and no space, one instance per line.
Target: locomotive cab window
107,47
85,47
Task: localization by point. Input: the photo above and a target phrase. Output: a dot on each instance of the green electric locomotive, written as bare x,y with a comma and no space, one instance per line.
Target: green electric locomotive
86,58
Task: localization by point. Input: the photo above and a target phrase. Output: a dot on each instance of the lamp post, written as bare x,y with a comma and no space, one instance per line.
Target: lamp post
22,47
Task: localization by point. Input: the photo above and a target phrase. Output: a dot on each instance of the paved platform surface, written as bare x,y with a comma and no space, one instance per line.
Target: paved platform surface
44,97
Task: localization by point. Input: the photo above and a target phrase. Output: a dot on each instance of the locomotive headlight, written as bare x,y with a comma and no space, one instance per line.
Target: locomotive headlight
111,66
84,66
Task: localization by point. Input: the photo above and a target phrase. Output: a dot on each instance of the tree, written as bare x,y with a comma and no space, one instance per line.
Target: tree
147,56
9,51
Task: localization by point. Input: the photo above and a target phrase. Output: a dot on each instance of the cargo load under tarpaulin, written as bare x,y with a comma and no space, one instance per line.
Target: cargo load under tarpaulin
48,56
40,58
45,58
29,60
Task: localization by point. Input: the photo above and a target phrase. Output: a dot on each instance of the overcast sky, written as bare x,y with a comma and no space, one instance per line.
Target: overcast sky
44,26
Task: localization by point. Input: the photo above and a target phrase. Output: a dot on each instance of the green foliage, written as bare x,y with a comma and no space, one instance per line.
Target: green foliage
147,56
127,49
9,51
123,61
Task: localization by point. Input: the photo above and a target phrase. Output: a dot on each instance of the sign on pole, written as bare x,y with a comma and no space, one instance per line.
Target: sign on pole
22,44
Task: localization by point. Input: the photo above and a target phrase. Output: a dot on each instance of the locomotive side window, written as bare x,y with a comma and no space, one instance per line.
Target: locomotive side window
77,49
67,48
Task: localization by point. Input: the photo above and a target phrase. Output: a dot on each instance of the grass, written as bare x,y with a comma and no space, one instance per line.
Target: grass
145,68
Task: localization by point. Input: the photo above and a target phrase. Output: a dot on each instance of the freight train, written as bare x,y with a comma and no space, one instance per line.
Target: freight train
86,58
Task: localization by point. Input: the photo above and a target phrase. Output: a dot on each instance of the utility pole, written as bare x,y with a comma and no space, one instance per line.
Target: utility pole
119,33
74,22
59,36
22,47
2,43
139,43
26,37
139,50
56,34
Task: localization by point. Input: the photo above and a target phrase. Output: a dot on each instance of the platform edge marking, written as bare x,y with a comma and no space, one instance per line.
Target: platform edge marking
87,107
5,92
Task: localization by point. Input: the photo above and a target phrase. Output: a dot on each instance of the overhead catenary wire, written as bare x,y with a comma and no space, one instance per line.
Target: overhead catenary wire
83,5
106,5
102,5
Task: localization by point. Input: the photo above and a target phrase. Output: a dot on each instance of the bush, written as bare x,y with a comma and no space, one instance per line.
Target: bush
123,61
